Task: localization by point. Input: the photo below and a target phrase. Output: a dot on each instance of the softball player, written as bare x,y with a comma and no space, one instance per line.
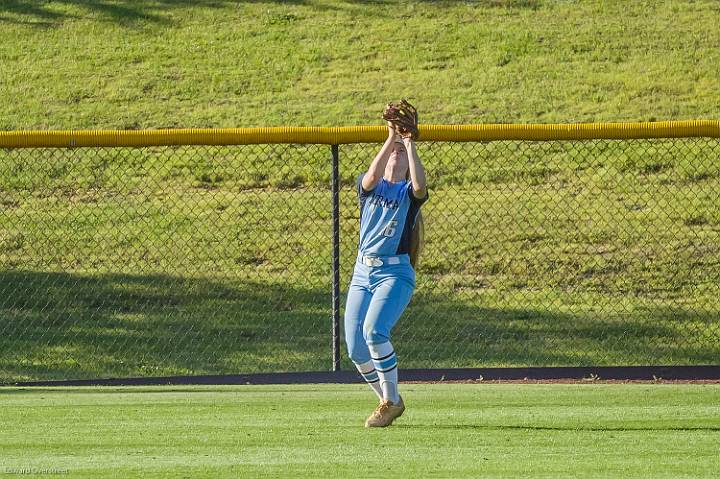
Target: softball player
390,193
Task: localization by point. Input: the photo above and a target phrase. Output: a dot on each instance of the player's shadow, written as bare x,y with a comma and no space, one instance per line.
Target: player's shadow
75,326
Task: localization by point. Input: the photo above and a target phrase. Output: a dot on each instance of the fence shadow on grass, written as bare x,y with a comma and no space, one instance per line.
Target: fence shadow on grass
60,325
440,331
160,11
73,326
124,13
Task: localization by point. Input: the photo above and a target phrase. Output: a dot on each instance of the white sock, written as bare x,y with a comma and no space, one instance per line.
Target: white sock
367,370
385,361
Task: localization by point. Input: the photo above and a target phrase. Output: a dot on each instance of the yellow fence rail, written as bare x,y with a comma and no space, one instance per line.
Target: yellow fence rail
356,134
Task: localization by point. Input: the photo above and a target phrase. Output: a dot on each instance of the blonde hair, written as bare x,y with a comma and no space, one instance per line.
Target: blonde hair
416,240
417,236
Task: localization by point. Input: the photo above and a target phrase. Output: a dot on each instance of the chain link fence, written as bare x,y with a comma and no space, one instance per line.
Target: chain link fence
190,260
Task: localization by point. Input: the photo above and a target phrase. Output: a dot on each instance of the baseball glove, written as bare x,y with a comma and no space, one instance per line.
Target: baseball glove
405,118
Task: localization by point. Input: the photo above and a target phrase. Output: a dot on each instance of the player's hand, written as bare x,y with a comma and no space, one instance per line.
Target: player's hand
392,131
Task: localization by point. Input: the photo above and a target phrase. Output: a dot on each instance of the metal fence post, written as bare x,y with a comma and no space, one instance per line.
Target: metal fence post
336,258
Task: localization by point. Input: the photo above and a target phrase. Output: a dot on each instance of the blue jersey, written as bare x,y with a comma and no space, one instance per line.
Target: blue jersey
387,217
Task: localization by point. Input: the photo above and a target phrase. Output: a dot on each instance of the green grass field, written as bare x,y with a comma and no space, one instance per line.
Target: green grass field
483,430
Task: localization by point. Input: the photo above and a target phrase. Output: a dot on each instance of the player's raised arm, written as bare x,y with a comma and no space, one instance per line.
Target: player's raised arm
417,172
377,167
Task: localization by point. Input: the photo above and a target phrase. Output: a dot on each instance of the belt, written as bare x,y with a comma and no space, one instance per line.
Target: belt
375,261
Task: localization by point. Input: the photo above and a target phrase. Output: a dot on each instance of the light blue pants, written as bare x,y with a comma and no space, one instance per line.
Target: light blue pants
376,299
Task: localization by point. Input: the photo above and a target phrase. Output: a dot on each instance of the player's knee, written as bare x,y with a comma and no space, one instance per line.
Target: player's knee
358,358
357,349
375,335
358,353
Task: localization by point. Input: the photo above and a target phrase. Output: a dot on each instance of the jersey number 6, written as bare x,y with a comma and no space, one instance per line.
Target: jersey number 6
390,228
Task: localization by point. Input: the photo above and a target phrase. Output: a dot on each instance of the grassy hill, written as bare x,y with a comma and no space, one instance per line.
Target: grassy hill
220,63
